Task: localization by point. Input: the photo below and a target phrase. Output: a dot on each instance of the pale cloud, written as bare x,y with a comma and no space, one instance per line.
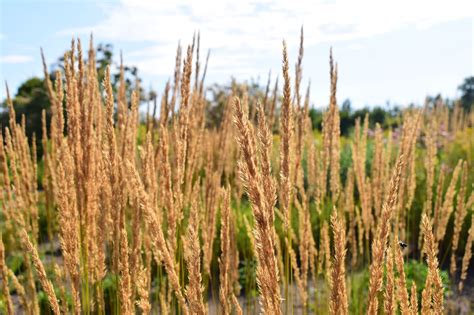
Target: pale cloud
14,59
354,47
232,22
238,31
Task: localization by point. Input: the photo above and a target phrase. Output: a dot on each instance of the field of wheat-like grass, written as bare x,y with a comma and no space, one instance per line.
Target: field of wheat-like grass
260,214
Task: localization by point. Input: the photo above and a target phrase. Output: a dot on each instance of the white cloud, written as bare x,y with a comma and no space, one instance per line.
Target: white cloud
12,59
243,35
257,23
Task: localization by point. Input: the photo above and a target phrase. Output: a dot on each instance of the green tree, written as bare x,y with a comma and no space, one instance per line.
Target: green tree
316,117
346,119
30,100
220,96
467,91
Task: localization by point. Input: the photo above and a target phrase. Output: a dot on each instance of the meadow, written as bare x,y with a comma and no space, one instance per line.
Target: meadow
261,213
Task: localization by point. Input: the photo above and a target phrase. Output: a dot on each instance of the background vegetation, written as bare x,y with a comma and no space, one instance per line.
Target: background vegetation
210,202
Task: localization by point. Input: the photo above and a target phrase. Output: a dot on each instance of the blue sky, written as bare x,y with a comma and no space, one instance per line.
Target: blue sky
387,51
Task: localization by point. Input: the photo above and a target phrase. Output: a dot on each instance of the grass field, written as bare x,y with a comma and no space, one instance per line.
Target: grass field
124,215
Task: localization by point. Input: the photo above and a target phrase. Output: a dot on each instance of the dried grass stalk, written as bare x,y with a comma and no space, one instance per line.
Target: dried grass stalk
45,283
459,216
467,255
338,302
433,291
262,208
4,273
226,286
379,244
192,255
389,294
402,291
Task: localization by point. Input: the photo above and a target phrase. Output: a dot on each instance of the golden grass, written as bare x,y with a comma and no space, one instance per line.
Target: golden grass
160,214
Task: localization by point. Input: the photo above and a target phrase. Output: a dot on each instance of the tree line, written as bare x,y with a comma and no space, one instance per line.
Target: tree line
31,99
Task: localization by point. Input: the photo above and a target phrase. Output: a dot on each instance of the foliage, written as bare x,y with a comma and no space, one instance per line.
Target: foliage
29,101
219,97
467,91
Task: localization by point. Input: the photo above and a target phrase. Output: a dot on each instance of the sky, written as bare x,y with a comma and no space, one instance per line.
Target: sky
387,51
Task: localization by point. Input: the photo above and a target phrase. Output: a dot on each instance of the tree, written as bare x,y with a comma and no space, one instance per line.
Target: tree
30,100
345,116
316,117
346,106
220,95
467,91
